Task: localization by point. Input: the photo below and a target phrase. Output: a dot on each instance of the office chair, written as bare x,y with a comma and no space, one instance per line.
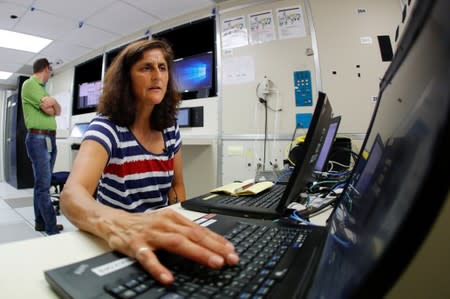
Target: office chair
58,180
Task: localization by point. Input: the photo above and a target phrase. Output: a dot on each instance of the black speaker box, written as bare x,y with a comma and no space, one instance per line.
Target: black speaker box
341,152
196,116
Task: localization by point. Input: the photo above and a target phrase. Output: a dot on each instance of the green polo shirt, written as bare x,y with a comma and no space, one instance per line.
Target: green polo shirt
32,92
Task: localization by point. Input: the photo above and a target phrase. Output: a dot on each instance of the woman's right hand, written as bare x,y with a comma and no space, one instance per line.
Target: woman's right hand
140,235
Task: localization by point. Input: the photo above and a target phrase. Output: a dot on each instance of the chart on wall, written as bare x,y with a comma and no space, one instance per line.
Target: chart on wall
65,101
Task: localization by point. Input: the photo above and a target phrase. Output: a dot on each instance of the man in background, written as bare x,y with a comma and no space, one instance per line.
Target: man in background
39,111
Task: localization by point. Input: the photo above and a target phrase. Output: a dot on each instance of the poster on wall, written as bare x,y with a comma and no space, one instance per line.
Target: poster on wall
261,27
234,33
65,101
238,70
291,23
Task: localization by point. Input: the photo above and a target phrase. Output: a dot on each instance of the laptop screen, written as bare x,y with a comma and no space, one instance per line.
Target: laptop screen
307,156
326,147
396,189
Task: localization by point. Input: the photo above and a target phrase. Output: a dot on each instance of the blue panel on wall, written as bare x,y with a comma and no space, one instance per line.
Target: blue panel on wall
303,120
303,88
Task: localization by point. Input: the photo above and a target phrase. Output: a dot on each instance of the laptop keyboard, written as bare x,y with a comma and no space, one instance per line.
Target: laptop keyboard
260,249
267,199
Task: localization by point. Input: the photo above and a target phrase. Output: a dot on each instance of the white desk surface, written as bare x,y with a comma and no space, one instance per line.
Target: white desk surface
22,263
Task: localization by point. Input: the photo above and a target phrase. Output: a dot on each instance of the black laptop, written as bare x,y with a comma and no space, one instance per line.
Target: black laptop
273,202
375,229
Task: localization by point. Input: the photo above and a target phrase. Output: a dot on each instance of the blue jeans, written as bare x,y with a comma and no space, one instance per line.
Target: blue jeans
43,162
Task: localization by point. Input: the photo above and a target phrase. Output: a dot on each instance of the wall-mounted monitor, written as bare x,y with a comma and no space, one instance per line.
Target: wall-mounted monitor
194,42
194,75
87,85
89,94
184,117
190,117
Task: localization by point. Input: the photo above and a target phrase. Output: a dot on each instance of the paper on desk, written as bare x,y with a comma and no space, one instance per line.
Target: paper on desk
238,189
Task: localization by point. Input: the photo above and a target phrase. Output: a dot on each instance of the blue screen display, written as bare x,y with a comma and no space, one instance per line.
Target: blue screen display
194,73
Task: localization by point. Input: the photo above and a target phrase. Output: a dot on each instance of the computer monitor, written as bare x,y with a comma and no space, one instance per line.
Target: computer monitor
401,179
194,75
87,85
89,94
184,117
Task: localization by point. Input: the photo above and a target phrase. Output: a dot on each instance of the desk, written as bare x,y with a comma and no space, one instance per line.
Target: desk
22,263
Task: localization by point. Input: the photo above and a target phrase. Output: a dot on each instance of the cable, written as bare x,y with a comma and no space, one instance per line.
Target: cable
297,217
265,135
266,107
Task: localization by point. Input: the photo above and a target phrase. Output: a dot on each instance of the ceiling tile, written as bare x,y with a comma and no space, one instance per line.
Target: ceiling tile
44,24
169,8
13,56
8,9
90,37
77,10
65,51
108,19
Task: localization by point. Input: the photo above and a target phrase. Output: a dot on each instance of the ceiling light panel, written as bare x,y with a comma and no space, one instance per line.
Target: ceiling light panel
23,42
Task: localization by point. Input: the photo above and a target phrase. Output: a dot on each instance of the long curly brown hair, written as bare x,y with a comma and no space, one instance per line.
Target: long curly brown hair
118,101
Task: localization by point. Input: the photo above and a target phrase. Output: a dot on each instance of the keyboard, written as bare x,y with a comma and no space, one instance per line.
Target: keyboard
260,249
266,199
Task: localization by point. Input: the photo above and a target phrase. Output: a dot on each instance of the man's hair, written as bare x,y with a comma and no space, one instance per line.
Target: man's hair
118,101
40,64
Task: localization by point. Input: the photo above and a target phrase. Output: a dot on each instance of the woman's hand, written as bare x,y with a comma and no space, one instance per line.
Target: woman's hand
139,235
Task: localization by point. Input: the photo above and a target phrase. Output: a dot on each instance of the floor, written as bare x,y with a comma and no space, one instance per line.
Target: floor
17,215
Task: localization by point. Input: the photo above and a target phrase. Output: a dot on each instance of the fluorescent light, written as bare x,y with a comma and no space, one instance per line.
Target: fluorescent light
5,75
24,42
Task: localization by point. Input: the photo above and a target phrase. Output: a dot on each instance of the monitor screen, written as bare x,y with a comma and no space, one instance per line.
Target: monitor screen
87,85
326,147
194,74
89,94
397,187
183,117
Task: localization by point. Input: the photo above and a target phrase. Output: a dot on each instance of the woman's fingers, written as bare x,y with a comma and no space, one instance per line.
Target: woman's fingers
197,234
214,254
147,258
142,234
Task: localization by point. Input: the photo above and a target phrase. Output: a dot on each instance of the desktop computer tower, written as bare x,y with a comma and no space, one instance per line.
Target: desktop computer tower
18,169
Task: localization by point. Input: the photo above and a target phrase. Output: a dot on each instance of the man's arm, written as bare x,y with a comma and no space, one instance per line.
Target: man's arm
50,106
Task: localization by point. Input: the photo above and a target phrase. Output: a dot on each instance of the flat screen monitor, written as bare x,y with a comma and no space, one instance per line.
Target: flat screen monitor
400,181
89,94
87,85
194,75
184,117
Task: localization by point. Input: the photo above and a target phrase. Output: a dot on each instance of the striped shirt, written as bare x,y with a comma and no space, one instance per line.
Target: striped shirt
134,179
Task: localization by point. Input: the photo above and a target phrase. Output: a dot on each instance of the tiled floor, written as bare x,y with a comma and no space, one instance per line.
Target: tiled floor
17,216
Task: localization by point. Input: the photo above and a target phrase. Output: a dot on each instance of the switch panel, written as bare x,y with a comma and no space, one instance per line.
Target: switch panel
303,88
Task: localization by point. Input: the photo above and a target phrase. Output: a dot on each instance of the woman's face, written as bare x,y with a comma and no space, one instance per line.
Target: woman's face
149,77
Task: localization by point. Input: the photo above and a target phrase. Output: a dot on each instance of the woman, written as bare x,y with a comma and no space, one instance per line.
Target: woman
131,150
